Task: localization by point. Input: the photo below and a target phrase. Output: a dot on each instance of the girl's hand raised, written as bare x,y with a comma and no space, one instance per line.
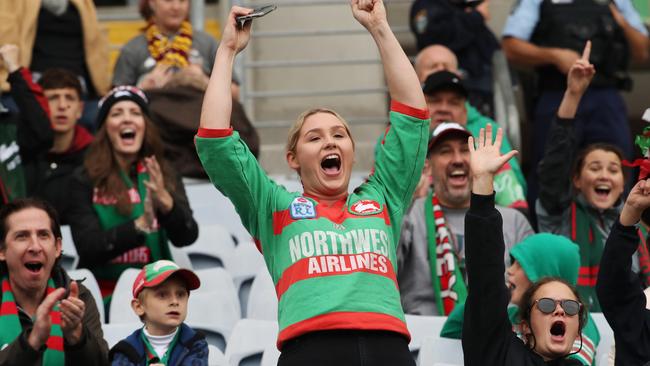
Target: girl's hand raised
486,159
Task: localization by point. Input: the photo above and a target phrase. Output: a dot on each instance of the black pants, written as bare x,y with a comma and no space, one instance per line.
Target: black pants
347,348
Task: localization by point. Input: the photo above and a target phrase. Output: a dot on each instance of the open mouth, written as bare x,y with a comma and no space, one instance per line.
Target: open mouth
34,267
458,176
558,329
602,190
331,164
127,135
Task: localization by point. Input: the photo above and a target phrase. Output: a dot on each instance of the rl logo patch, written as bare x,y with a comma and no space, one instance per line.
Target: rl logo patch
365,207
302,208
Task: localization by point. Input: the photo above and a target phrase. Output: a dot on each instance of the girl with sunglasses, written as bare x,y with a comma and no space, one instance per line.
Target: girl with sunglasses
552,315
619,290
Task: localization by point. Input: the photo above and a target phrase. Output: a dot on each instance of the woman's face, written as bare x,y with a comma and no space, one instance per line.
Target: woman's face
555,332
169,14
125,128
600,179
324,156
518,282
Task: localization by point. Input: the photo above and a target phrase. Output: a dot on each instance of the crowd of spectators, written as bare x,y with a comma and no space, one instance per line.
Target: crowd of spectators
107,158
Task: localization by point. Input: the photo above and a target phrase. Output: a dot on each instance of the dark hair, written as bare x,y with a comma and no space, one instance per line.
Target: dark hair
579,161
526,305
25,203
145,10
57,78
104,170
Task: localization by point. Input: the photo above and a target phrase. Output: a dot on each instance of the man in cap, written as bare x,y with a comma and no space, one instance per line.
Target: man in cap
431,251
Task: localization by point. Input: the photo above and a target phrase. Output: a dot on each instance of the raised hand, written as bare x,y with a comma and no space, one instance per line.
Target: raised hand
72,312
235,37
370,13
160,197
42,321
581,73
9,54
486,159
637,201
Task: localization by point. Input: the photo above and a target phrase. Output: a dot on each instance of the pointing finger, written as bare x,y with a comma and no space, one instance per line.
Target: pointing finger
587,51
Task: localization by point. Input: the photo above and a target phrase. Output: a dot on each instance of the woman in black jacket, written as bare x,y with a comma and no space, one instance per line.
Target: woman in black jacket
127,202
552,314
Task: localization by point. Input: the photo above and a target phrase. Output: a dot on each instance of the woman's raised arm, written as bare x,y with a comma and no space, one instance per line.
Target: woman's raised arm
217,103
403,83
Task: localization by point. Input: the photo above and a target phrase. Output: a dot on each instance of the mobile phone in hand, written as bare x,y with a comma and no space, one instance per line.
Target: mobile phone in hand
256,13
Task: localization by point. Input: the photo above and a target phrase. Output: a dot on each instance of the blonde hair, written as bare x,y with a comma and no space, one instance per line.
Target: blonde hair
294,131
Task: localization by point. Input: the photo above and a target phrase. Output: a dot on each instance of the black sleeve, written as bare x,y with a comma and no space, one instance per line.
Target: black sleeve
554,170
95,245
620,291
179,224
445,24
487,331
35,136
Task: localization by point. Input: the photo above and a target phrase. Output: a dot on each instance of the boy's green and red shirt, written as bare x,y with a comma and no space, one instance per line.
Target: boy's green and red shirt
333,266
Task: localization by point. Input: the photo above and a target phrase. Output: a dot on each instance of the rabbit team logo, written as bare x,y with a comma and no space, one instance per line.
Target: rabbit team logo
365,207
302,208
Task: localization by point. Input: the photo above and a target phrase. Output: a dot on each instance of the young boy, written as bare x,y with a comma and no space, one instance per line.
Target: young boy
160,295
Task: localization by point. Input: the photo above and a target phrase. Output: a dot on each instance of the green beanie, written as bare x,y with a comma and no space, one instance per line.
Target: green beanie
544,255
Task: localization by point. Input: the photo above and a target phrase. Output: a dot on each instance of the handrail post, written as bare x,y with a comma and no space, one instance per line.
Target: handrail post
197,14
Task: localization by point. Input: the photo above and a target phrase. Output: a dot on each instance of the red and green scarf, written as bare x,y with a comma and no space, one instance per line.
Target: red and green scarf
154,247
10,327
175,52
586,233
448,283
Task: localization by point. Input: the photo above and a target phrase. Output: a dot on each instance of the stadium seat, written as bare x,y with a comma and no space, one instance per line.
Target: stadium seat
120,308
436,351
90,282
214,315
69,257
246,262
114,333
248,340
422,327
180,257
216,357
270,356
606,336
213,248
211,207
263,300
219,280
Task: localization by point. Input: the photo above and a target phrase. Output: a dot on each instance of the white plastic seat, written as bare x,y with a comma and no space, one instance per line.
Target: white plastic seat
214,315
90,282
422,327
249,339
180,257
436,351
263,300
120,309
219,280
246,262
216,357
69,257
113,333
606,335
213,248
270,356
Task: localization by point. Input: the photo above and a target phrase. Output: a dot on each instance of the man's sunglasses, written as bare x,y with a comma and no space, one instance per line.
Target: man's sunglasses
547,306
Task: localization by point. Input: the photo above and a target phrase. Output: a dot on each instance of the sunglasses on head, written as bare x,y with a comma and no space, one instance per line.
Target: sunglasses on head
547,306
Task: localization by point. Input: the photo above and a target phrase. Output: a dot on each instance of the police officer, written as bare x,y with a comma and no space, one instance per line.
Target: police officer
548,35
460,26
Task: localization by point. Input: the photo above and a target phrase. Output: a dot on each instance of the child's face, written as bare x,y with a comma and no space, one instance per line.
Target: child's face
601,179
164,307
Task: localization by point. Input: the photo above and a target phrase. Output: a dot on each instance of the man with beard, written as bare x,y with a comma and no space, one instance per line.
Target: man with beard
431,252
